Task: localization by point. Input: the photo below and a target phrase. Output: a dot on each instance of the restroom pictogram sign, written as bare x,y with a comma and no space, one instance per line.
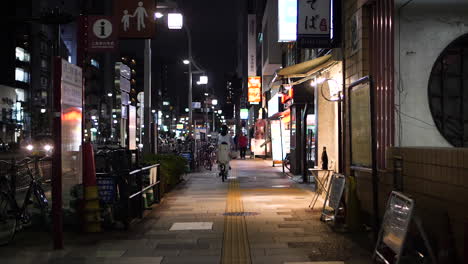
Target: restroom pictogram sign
102,33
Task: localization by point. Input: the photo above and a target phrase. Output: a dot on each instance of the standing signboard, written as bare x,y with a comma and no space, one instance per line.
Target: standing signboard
334,195
315,23
254,89
102,34
67,156
360,123
395,225
136,18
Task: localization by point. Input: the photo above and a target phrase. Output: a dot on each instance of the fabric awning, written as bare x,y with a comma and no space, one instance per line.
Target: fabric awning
303,69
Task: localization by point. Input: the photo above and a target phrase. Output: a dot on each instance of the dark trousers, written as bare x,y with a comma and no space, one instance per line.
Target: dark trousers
242,152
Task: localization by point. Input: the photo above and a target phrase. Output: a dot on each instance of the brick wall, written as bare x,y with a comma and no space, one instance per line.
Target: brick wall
437,179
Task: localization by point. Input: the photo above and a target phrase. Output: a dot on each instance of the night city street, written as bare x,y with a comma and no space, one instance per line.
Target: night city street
234,131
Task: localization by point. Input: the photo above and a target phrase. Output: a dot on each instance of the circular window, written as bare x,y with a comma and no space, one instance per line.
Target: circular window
448,92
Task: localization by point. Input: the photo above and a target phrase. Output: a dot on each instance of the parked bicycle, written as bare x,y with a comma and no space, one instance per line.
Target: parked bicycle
14,216
207,155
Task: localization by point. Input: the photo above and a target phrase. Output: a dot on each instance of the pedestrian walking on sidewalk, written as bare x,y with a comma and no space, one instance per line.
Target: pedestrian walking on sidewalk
243,142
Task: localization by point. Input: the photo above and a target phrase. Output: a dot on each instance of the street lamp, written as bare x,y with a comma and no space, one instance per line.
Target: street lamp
203,79
175,20
158,15
214,102
186,62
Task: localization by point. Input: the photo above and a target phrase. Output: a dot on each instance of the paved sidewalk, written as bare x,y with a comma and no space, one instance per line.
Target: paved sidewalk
258,216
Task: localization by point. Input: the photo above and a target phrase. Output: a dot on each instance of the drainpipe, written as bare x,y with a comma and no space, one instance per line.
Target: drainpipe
303,143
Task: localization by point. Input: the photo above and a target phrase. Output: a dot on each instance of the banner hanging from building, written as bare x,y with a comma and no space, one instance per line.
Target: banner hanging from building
315,23
254,89
252,45
287,20
136,18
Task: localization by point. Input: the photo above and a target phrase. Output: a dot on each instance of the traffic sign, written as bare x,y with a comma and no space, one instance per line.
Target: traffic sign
136,18
102,34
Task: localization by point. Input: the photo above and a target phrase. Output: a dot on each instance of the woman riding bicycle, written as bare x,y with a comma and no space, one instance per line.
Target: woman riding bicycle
224,147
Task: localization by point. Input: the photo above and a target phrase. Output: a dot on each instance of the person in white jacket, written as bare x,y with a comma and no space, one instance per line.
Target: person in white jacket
224,146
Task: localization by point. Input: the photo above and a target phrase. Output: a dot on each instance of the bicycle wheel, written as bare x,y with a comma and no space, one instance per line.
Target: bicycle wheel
223,171
8,219
43,205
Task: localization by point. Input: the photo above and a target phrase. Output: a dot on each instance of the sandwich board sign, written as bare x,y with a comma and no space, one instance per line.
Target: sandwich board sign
395,225
334,194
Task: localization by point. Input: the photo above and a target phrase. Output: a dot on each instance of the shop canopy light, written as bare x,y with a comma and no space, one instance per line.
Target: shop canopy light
317,81
175,21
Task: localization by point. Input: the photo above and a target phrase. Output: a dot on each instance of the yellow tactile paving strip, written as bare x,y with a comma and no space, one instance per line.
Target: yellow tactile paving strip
236,247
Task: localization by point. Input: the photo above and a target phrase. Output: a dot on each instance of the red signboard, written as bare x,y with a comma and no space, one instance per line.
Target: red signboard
102,33
135,18
254,89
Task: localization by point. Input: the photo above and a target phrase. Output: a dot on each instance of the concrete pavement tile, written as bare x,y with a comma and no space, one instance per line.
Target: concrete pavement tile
138,260
190,260
201,252
182,246
317,262
109,253
166,252
268,245
192,226
257,252
141,252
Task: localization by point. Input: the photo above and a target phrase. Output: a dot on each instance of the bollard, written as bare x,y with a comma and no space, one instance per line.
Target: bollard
91,210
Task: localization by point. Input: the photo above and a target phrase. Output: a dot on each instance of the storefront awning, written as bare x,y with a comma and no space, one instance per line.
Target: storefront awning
304,69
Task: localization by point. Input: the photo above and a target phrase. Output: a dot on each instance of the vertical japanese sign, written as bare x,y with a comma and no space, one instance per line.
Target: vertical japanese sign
132,122
254,89
135,18
102,33
67,133
252,45
287,20
314,22
72,115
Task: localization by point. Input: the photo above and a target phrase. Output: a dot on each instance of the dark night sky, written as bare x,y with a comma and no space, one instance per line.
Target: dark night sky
213,25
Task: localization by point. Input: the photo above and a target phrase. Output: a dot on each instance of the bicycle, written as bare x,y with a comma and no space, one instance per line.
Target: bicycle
223,160
207,156
223,171
12,215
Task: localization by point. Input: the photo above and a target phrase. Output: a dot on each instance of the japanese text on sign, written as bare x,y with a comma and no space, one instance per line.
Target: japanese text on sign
314,17
254,89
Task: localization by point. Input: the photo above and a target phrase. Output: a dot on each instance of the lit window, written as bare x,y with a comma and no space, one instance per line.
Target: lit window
22,55
95,63
21,75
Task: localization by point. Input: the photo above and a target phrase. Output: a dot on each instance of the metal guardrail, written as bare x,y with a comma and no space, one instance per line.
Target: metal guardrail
131,199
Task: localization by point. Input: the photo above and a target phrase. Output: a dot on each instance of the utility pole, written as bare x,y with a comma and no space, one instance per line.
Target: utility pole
147,101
